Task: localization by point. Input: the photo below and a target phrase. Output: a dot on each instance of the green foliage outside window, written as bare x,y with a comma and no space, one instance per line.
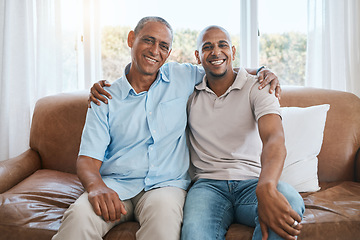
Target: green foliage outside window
115,53
285,53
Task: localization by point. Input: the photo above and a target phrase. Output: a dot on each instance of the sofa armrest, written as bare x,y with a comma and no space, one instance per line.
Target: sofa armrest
14,170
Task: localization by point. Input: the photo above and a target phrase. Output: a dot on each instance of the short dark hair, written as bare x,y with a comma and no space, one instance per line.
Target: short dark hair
202,33
145,20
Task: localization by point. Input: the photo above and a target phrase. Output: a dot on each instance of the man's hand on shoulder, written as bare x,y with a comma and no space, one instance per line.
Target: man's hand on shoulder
106,203
266,76
97,91
276,213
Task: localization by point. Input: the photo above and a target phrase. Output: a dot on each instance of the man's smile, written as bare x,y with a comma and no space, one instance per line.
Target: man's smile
151,60
217,62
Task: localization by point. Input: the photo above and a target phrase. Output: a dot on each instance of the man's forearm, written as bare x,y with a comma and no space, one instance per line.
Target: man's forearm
88,172
272,161
274,151
105,201
251,71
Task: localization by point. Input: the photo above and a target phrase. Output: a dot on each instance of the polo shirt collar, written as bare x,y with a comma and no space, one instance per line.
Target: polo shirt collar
126,88
240,79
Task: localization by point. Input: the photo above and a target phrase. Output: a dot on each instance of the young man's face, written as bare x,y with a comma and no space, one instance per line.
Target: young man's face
150,47
216,53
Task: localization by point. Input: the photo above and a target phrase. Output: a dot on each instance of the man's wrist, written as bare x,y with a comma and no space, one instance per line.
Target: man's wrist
259,69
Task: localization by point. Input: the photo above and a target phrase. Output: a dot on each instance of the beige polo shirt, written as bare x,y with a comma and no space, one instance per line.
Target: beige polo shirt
224,138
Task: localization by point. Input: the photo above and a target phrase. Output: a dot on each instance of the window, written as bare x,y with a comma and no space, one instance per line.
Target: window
283,38
72,48
187,17
282,28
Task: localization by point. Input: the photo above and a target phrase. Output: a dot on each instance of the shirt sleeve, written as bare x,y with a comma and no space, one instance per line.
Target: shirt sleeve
96,135
193,73
262,102
199,74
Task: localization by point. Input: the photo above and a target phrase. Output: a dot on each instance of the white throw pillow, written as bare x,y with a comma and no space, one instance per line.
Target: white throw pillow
303,128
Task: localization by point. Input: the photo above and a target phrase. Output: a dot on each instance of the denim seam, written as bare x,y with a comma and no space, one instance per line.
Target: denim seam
219,224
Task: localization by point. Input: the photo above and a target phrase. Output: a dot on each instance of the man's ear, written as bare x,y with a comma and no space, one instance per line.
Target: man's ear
131,38
233,52
197,56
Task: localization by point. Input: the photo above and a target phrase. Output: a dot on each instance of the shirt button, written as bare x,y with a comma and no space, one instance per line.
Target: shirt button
151,148
154,131
150,113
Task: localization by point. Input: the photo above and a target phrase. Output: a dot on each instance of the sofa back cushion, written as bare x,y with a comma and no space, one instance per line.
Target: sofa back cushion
56,129
342,130
58,122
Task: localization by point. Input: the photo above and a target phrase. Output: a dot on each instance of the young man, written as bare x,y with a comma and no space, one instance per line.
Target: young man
133,157
237,152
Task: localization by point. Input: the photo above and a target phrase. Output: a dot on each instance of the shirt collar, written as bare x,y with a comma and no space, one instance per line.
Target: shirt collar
239,82
162,75
126,88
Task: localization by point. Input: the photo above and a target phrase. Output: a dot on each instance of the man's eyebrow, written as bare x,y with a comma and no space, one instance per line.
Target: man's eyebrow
206,43
224,41
163,42
149,36
154,39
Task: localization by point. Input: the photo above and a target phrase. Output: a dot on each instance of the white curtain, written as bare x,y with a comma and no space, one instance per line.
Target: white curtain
333,55
16,74
42,53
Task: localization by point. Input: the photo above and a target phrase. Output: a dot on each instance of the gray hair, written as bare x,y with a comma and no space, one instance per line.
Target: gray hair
202,33
145,20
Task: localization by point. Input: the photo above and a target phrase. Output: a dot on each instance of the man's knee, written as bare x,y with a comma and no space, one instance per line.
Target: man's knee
159,212
81,223
80,209
166,200
293,197
190,230
194,222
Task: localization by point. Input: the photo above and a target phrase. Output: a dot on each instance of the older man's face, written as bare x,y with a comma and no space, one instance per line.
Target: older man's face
150,47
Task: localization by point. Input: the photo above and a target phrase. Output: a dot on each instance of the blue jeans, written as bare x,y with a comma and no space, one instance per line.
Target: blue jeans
212,205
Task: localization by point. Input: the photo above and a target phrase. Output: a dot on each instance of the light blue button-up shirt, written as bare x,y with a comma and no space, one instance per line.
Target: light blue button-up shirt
140,137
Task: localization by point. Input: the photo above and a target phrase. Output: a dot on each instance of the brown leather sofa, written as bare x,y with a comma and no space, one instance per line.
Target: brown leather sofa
40,184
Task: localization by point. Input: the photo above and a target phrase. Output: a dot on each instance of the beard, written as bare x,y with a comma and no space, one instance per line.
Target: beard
218,75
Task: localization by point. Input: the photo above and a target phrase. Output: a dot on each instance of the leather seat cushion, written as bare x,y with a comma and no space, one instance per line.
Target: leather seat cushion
38,203
38,212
